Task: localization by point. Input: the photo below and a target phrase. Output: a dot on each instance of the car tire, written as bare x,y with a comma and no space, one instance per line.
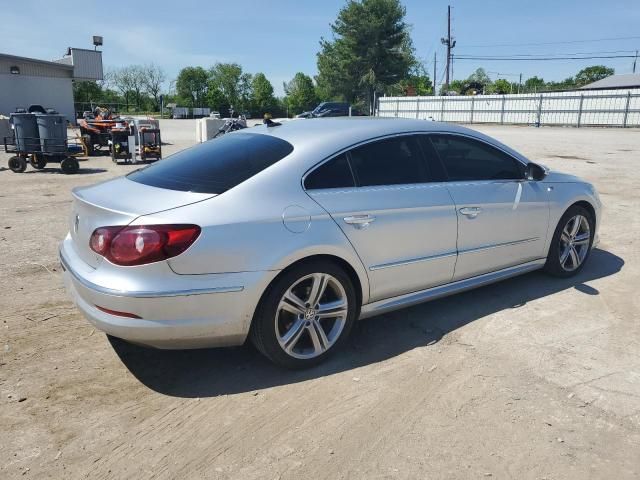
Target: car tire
571,243
292,331
17,164
69,165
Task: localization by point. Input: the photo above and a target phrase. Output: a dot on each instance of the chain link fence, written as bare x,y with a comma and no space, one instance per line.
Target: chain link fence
607,108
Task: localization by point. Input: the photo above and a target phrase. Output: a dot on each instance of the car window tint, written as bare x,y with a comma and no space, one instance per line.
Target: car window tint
389,162
215,166
434,165
467,159
336,173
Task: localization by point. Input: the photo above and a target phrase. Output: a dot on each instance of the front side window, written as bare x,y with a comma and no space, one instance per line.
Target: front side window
467,159
336,173
393,161
215,166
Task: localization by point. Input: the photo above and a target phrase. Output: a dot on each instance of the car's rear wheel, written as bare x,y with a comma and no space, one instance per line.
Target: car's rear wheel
571,242
305,315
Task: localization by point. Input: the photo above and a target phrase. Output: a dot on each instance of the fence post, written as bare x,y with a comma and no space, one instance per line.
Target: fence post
397,107
626,109
442,110
473,102
539,111
417,107
504,99
580,109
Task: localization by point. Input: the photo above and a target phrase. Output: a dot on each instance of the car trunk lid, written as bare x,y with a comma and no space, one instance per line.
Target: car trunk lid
118,202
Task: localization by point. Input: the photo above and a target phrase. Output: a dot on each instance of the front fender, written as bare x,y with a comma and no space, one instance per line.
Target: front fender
562,195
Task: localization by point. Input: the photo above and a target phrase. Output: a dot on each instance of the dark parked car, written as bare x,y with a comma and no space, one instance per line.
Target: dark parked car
331,109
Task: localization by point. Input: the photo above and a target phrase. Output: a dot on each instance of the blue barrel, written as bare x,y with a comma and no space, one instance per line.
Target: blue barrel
25,127
53,133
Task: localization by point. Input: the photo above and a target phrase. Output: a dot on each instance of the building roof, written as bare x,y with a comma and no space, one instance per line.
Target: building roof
628,80
35,60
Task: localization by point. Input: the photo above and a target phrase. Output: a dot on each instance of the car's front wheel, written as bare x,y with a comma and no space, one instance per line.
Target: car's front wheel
305,315
571,242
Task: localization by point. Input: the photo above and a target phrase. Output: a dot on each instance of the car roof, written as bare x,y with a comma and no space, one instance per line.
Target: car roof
351,130
326,136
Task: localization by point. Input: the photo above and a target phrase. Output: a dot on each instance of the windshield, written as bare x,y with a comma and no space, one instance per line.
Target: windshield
320,108
215,166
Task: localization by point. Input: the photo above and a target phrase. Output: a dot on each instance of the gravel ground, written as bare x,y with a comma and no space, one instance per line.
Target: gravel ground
533,377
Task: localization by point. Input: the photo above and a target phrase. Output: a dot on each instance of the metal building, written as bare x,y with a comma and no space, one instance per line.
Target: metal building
615,82
29,81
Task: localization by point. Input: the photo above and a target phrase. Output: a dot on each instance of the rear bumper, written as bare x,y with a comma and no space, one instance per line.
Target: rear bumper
189,311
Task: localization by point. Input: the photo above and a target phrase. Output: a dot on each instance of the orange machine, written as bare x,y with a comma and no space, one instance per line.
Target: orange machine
95,130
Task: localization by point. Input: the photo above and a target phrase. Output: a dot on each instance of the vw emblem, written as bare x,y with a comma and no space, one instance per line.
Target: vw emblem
76,223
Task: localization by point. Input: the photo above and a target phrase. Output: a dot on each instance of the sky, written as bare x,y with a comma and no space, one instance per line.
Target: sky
281,37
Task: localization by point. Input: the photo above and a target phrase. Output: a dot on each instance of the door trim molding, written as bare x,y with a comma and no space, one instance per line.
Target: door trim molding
412,260
498,245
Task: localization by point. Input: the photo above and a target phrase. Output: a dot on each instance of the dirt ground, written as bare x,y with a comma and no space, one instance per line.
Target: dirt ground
530,378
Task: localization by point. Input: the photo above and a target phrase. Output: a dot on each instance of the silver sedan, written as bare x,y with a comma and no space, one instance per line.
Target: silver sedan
288,234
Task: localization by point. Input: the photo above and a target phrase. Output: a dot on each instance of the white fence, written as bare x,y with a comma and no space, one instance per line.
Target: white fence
612,108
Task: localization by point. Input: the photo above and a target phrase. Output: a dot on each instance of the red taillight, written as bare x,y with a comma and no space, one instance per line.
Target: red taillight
140,244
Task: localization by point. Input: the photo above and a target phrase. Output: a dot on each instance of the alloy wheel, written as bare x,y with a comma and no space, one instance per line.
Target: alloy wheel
311,315
574,242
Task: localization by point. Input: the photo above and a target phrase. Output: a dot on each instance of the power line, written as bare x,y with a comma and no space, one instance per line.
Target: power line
533,59
549,54
553,43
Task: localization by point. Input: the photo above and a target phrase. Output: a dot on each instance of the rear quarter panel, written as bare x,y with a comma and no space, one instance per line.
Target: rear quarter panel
243,230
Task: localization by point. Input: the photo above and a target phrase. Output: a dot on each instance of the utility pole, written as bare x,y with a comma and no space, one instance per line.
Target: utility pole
519,83
434,74
635,60
450,43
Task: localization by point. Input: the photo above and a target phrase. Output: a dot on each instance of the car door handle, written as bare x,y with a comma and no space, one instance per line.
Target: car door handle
359,221
470,212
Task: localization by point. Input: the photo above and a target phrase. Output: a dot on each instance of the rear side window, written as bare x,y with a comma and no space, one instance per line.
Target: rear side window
389,162
336,173
215,166
467,159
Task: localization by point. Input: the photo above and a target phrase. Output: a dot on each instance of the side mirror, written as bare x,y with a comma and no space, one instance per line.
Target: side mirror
535,172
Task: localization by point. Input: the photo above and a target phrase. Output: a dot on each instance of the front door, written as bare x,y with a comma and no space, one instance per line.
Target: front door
402,225
502,218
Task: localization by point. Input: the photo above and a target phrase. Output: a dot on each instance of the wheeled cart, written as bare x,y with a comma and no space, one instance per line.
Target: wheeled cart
138,141
39,140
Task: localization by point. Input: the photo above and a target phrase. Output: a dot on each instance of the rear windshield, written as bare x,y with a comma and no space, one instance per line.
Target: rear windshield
215,166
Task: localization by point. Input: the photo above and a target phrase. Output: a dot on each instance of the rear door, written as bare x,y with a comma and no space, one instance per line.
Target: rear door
502,217
400,221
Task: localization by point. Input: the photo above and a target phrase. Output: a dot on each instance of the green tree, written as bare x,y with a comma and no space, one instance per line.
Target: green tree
228,82
417,82
592,74
371,51
478,81
534,84
300,94
566,84
456,86
262,99
87,92
152,81
501,86
122,80
191,86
